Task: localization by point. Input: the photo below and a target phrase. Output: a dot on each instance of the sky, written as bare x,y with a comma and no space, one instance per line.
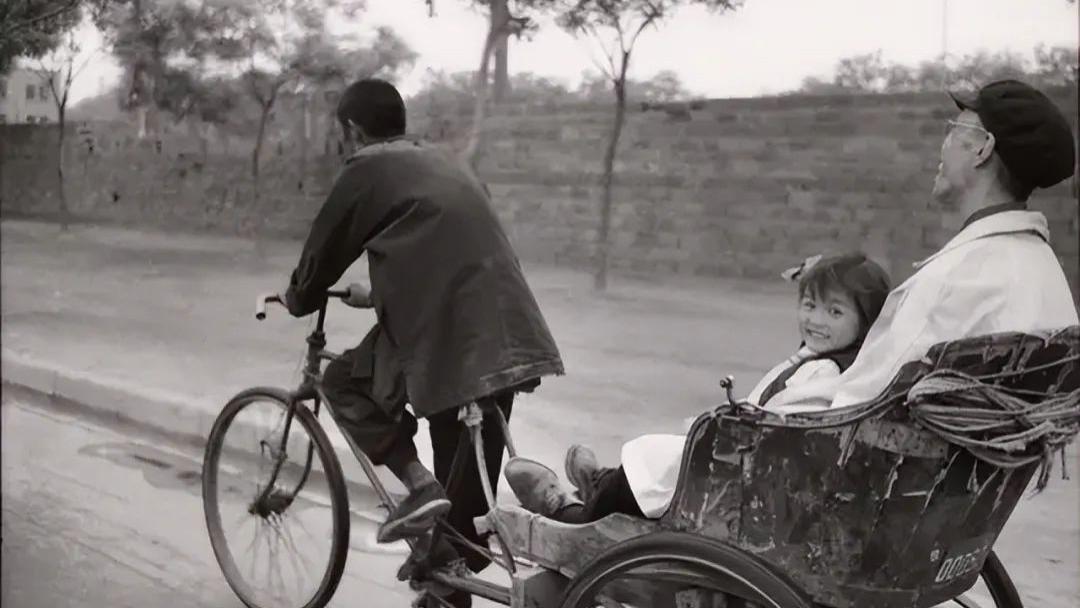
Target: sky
766,47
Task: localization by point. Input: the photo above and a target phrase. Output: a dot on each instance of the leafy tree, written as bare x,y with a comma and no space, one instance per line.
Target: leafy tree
58,70
32,28
1056,66
664,86
616,26
163,47
868,73
505,18
865,72
977,69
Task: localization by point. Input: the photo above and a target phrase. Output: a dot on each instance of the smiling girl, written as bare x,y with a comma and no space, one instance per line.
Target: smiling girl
839,299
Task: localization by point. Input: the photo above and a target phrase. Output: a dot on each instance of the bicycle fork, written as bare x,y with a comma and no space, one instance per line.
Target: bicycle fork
307,390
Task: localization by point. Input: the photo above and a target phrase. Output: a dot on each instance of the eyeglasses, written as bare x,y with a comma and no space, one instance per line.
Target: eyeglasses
952,124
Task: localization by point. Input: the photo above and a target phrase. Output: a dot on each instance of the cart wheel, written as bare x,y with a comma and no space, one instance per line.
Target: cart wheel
1000,584
996,583
677,569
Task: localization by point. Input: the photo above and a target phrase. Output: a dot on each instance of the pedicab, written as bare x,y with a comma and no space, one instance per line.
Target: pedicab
895,503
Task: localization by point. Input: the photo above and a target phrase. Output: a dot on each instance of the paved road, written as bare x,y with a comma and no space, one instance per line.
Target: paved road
173,312
95,516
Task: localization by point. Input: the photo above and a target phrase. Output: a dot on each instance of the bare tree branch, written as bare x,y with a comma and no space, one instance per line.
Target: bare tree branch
650,18
86,62
603,69
48,76
617,23
609,54
70,6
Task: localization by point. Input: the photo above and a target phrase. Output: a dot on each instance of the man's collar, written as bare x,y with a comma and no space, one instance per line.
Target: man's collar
992,209
995,223
400,142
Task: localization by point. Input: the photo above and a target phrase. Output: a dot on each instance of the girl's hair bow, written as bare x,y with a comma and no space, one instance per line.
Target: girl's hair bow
795,273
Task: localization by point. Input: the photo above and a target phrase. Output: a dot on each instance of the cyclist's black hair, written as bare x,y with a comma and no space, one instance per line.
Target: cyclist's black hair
375,106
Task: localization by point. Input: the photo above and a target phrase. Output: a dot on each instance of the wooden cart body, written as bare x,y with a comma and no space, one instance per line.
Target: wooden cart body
857,506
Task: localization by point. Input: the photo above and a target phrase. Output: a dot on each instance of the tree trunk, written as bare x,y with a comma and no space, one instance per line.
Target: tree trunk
603,246
138,69
260,135
471,153
64,214
305,142
500,15
256,155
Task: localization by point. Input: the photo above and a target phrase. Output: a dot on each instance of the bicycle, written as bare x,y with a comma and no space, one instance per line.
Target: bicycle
285,481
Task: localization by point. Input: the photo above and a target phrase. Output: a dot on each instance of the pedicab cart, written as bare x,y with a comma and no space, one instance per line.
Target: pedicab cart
896,503
892,504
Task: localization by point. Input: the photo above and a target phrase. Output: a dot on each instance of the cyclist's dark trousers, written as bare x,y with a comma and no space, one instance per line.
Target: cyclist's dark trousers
366,389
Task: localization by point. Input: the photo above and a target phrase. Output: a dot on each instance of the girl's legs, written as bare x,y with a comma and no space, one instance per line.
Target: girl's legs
609,492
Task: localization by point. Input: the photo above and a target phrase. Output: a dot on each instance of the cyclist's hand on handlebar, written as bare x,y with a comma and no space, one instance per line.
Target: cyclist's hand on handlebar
359,296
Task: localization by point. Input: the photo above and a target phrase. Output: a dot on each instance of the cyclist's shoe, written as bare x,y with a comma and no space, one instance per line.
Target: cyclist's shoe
424,558
415,515
417,571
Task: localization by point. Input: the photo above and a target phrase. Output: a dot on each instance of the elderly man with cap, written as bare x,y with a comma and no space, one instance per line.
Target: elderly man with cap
998,273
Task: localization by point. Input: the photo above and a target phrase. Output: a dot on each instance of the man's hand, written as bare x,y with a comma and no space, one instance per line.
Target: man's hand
283,297
359,296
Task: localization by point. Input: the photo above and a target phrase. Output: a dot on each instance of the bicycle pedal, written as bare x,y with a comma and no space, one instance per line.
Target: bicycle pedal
414,530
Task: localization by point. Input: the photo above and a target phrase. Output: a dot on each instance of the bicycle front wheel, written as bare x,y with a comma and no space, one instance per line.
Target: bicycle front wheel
280,532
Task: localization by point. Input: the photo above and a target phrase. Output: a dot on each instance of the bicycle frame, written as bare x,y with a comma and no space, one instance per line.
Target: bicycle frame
310,389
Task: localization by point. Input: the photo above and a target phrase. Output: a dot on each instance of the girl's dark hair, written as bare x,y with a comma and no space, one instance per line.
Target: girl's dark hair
854,274
375,106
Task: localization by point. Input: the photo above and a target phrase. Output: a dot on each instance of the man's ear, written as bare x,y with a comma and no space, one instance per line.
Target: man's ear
983,154
358,134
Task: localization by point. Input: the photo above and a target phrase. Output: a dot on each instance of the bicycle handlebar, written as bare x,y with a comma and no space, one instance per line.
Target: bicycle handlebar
268,298
262,301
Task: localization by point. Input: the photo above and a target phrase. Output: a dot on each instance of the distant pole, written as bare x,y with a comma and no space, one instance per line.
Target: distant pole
944,44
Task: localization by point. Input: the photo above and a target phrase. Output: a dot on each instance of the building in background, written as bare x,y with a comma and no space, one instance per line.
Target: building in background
26,98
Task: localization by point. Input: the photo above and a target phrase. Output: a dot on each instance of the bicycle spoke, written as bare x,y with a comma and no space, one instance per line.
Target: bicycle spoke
305,529
269,565
298,566
254,554
283,546
292,544
278,570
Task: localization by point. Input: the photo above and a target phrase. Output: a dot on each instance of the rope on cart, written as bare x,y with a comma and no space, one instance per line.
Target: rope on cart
1006,427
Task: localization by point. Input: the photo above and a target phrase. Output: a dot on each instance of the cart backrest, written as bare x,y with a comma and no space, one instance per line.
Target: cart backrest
862,506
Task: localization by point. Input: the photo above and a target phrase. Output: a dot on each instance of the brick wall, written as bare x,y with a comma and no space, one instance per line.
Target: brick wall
720,188
741,187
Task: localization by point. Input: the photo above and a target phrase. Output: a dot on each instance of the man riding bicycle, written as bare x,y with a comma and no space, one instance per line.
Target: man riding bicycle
457,321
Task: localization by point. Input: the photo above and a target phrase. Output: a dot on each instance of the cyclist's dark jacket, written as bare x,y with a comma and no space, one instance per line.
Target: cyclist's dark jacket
447,287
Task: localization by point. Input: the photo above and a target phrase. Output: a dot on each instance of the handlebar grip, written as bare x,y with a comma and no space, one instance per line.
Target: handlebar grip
262,301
